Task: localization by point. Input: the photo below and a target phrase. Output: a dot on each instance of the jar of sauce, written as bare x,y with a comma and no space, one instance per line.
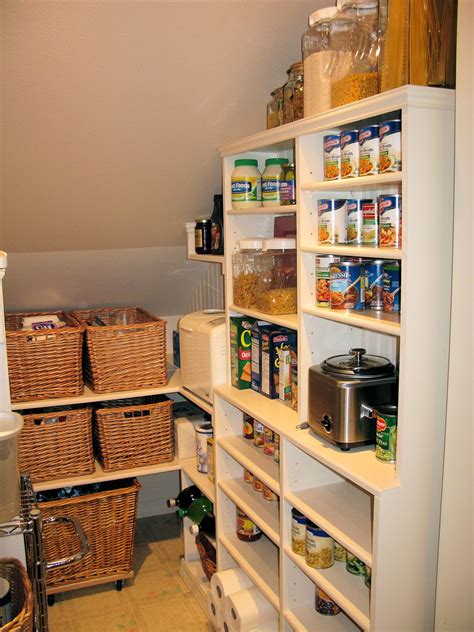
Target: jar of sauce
246,530
202,236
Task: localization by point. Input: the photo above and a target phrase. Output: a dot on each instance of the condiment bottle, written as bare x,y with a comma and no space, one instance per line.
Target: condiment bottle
246,184
271,179
217,226
246,530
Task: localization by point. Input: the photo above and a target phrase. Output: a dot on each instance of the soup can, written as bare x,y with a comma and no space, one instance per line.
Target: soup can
323,264
374,284
370,223
258,434
324,604
298,532
319,547
339,552
391,287
332,157
390,221
354,566
347,285
248,476
386,433
203,432
247,430
369,147
268,441
390,138
354,222
349,141
332,221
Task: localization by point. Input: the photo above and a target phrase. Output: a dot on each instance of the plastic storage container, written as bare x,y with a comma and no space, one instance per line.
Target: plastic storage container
276,284
10,427
244,274
246,184
271,179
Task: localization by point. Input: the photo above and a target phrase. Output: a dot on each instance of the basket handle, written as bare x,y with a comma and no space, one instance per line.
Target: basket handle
77,557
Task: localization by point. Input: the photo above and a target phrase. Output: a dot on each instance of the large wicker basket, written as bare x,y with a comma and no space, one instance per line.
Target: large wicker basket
21,595
108,518
127,353
56,442
134,432
44,364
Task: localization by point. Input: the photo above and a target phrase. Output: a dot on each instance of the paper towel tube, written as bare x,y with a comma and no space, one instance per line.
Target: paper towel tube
248,609
214,611
227,582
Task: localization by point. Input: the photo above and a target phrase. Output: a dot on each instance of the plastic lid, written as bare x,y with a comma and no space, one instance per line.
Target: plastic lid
357,4
276,161
250,162
251,244
288,243
10,425
321,15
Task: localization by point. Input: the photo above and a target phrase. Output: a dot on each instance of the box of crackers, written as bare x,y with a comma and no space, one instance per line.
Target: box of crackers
273,343
241,351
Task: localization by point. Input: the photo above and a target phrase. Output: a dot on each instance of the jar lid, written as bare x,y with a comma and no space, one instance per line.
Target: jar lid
297,66
321,15
358,364
288,243
251,244
202,219
276,161
357,4
250,162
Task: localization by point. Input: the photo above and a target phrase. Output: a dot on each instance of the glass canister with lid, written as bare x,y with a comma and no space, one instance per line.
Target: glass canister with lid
295,71
271,179
272,111
276,277
244,274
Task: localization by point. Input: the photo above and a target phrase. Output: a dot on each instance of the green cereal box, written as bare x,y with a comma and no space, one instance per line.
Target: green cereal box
259,327
273,342
241,351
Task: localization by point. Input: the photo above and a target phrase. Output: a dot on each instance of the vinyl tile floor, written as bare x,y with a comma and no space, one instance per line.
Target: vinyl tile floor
155,600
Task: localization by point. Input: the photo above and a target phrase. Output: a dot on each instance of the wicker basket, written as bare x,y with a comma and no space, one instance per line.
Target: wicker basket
21,595
207,553
56,442
44,365
108,519
134,432
127,353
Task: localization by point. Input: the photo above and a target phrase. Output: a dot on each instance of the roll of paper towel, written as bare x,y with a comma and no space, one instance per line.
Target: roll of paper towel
225,583
215,611
248,609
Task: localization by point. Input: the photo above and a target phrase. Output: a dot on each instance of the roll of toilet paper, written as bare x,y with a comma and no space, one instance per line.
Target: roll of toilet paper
225,583
215,611
248,609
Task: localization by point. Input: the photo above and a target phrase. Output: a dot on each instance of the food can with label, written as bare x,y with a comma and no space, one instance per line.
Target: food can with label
354,222
339,552
268,441
276,453
268,494
386,433
332,221
319,547
390,138
203,432
298,532
210,459
370,223
347,285
324,604
332,157
369,147
248,476
247,429
258,434
390,221
374,283
391,287
349,153
323,263
288,185
257,484
354,566
246,529
368,577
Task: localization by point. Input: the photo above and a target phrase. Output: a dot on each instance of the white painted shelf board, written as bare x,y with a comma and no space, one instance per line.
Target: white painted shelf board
253,459
199,401
263,512
206,258
306,619
348,591
259,560
341,509
371,319
346,250
195,579
265,210
285,320
200,479
355,184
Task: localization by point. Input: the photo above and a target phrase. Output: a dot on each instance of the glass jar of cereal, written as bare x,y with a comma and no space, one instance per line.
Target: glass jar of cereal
276,277
244,275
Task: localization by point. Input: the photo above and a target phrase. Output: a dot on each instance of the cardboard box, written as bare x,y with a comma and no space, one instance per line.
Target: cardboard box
273,341
241,351
258,329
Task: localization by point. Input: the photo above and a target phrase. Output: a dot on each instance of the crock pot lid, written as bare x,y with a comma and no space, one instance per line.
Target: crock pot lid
358,364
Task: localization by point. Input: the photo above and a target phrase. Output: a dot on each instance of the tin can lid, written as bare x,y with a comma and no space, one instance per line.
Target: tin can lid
204,428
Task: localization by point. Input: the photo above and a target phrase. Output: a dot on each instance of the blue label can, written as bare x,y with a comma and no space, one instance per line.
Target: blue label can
347,285
374,284
391,287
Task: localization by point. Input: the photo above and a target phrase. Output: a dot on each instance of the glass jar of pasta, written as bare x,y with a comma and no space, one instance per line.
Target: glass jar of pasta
244,274
276,277
294,72
272,111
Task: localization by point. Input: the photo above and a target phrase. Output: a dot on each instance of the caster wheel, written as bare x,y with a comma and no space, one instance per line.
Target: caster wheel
51,600
119,585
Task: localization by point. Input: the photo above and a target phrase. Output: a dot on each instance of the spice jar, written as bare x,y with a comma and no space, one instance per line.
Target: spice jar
246,184
276,281
244,275
319,547
246,530
271,179
294,72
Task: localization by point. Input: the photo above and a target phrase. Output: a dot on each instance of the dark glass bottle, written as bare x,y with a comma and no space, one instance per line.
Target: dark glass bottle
185,497
217,226
207,526
197,510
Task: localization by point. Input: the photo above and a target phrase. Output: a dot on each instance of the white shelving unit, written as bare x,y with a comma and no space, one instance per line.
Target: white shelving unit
385,514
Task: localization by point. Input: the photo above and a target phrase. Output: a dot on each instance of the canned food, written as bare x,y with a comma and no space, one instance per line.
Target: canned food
347,285
354,222
332,157
332,221
324,604
319,547
247,426
258,434
323,264
288,185
390,221
386,433
298,532
349,142
294,382
370,223
369,150
246,529
268,441
374,284
391,287
390,138
354,565
276,453
257,484
368,577
339,552
268,494
248,476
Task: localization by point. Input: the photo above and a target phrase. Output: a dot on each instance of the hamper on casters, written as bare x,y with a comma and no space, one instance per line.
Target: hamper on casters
15,573
125,348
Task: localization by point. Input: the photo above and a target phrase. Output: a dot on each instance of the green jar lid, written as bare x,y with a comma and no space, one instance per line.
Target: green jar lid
246,162
276,161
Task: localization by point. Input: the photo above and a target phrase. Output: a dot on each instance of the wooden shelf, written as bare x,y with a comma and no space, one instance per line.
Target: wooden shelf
194,577
201,480
253,459
370,319
346,250
306,619
356,184
285,320
206,258
265,210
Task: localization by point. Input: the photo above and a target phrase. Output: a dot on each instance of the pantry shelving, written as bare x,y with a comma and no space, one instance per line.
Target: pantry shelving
285,320
355,184
306,618
253,459
354,251
368,319
265,210
200,479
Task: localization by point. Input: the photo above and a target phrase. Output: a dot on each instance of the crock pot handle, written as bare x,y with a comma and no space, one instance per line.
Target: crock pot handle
358,352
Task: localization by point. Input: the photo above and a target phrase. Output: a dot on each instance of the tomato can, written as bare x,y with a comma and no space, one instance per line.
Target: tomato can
258,434
374,284
268,441
369,147
268,494
386,433
332,221
347,285
354,222
323,263
370,223
324,604
391,287
332,157
390,221
349,142
247,430
248,476
257,484
390,138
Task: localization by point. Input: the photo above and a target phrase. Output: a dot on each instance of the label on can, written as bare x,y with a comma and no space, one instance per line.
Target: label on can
319,548
354,221
271,189
370,223
374,284
347,285
298,534
391,287
248,189
245,526
390,221
248,476
390,146
350,153
247,426
268,442
386,436
323,264
369,150
354,565
332,221
258,434
332,157
324,604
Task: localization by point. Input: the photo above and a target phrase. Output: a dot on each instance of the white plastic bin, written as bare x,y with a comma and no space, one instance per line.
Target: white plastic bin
10,427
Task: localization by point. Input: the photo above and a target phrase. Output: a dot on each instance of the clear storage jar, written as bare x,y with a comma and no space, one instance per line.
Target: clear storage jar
272,111
244,274
276,277
295,73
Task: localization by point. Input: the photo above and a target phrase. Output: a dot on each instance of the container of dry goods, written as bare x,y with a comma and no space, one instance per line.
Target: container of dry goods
276,283
244,273
125,348
11,425
290,89
44,364
21,602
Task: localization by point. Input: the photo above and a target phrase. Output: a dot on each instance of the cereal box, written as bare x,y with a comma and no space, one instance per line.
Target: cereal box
272,343
240,351
257,329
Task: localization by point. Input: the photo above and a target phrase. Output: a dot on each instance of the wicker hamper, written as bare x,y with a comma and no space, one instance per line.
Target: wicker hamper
21,595
44,364
207,553
134,432
56,442
127,353
108,519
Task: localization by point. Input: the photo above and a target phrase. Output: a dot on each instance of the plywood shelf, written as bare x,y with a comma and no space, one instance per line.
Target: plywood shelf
253,459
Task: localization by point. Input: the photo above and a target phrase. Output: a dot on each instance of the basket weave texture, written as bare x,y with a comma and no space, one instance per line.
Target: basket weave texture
207,553
127,353
57,443
134,432
44,364
13,570
108,519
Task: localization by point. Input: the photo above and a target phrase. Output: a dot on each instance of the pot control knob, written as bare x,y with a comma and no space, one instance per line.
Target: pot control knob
326,423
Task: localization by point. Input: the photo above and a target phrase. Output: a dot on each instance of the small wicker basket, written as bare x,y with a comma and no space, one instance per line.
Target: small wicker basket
56,442
134,432
44,364
128,352
21,595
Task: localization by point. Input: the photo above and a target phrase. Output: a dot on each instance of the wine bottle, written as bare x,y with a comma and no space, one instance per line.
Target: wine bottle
185,497
207,526
197,510
217,226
